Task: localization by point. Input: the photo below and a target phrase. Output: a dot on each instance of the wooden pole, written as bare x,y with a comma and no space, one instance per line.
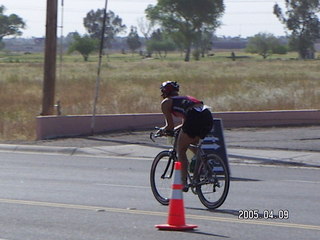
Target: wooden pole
50,58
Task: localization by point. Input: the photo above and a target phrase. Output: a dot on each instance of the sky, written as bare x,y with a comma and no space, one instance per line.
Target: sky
243,18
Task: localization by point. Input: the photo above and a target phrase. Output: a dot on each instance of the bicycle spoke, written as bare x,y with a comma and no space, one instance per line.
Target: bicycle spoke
160,177
213,182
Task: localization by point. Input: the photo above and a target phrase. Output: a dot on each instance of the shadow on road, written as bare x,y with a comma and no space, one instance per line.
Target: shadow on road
222,211
239,179
205,234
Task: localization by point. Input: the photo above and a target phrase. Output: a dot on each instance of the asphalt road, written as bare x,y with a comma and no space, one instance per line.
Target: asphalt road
55,196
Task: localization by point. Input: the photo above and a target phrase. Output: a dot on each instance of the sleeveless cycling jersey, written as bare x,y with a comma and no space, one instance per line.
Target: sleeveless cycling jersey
181,105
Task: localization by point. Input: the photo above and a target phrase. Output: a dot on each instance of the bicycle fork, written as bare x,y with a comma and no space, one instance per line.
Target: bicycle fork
171,162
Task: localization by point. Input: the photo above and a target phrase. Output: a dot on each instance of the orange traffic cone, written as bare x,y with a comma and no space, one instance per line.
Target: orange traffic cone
176,218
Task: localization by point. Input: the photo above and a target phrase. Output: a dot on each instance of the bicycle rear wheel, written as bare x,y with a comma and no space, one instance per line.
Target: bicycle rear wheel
212,182
161,177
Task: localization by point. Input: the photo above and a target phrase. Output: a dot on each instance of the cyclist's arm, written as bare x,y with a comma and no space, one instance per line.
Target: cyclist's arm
179,126
166,106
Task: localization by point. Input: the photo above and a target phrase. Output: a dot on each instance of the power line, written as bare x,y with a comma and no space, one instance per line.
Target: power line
68,10
252,1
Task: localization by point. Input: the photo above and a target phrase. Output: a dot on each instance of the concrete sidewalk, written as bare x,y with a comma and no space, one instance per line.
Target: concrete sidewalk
294,146
235,155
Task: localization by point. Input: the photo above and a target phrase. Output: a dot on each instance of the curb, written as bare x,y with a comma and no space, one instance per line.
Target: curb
38,149
272,161
289,158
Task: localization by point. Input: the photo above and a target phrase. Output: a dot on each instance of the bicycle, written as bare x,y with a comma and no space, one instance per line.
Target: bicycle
210,178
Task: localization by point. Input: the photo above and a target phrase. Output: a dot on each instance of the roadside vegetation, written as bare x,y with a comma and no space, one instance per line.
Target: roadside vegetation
227,81
130,84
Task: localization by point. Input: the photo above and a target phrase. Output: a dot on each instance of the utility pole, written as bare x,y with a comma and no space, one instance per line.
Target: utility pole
50,58
96,95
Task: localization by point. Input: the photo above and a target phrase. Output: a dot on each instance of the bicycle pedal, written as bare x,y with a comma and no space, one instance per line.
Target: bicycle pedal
185,189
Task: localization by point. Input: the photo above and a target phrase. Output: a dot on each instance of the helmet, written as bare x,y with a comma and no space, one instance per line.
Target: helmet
168,87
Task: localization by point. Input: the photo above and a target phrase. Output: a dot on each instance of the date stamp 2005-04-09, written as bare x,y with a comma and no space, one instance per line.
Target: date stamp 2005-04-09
265,214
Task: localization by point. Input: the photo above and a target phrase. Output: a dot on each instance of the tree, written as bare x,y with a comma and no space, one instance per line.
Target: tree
160,42
9,25
264,44
186,19
302,20
84,45
145,26
204,43
93,23
133,39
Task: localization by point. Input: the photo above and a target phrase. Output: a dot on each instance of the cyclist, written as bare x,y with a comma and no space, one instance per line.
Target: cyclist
197,121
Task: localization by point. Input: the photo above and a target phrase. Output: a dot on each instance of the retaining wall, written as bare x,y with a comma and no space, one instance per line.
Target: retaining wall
66,126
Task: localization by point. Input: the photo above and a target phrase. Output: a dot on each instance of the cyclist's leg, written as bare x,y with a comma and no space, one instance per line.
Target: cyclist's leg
184,140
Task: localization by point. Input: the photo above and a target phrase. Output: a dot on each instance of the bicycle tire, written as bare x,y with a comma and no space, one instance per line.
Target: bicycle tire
161,174
212,190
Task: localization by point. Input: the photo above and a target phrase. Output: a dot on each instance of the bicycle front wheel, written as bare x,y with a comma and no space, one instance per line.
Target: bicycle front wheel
161,177
212,182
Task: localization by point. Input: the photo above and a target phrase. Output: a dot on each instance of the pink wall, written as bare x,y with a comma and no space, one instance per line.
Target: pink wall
63,126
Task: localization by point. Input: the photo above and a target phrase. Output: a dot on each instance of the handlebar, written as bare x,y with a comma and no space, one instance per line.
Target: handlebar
161,133
155,135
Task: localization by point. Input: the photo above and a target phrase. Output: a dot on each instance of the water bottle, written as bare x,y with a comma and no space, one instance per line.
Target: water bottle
192,164
191,159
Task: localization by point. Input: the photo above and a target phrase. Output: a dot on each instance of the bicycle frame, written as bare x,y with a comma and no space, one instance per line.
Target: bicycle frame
200,156
209,180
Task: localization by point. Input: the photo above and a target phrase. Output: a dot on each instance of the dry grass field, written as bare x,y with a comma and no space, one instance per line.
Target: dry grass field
131,85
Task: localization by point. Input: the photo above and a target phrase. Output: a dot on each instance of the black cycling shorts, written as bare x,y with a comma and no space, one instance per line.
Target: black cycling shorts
198,124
